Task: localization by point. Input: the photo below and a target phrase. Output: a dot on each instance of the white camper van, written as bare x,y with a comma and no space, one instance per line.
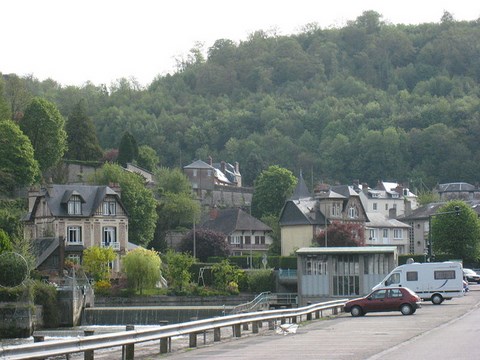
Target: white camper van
431,281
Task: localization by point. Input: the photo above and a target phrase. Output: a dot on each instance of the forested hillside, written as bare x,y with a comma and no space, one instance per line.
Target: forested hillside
367,101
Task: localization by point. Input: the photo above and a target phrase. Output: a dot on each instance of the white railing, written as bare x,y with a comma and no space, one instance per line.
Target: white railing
165,334
113,245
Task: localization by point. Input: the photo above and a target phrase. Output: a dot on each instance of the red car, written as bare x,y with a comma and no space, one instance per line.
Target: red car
389,299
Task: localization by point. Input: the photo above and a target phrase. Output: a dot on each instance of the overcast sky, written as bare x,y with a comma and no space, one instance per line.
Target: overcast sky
72,41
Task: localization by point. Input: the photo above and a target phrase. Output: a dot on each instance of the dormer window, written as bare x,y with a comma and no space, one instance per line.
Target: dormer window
109,207
75,205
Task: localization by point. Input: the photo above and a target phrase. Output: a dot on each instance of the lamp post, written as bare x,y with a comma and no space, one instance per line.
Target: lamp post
194,239
430,253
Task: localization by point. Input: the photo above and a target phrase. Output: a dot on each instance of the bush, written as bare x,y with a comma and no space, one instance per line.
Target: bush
102,287
261,280
46,295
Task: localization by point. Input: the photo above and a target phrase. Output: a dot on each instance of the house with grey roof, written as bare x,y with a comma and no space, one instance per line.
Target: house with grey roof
380,230
305,215
63,220
457,191
218,184
245,234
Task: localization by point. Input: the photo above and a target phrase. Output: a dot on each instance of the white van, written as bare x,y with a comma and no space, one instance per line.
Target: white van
431,281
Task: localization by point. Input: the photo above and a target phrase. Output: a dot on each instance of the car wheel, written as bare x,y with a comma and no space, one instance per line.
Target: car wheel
437,299
406,309
356,311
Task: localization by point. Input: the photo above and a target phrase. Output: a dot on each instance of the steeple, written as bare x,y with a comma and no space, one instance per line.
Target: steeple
301,190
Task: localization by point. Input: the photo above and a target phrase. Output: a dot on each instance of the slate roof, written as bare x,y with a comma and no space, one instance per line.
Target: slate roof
57,197
379,220
301,191
301,212
230,220
455,187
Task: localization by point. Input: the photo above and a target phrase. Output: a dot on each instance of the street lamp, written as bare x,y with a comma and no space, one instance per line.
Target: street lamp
430,254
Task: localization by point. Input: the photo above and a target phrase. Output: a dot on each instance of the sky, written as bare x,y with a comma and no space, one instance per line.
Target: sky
73,41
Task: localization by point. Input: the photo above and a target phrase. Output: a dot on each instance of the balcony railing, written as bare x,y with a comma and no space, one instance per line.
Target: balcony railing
113,245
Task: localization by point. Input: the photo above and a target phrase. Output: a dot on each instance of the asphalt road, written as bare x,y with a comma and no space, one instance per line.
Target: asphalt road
433,332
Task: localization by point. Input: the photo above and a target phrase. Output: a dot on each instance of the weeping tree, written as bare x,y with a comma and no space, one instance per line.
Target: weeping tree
143,268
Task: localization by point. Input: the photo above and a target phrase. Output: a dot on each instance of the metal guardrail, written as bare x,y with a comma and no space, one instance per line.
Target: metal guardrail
165,333
260,302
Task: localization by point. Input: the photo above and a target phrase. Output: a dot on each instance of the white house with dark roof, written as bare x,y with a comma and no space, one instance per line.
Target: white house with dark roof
63,220
244,233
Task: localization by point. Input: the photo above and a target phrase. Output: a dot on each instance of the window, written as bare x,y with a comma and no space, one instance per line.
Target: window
74,234
195,172
374,205
235,240
373,234
380,294
395,293
109,207
75,258
444,274
385,233
386,206
412,276
315,265
209,173
110,237
398,233
260,240
346,271
336,210
75,205
393,279
352,212
248,240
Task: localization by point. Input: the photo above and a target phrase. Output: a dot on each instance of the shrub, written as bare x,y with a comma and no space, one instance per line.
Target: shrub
261,280
46,295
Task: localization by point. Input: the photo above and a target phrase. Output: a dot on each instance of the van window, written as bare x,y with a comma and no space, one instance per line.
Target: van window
444,274
393,279
412,276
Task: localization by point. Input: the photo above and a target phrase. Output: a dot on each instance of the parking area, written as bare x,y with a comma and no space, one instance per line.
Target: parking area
342,337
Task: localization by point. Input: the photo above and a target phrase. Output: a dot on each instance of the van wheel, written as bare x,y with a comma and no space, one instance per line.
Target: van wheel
406,309
437,299
356,311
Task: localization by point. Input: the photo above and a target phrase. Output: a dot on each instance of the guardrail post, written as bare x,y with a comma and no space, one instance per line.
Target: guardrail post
283,321
128,351
164,345
271,325
192,342
38,338
245,326
88,355
335,311
255,327
216,334
294,320
237,331
309,316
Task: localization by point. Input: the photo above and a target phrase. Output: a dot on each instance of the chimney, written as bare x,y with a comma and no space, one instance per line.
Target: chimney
365,188
213,213
237,167
116,187
210,161
222,166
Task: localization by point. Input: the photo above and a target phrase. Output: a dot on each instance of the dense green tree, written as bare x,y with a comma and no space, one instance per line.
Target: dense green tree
272,188
18,166
177,270
143,268
207,243
226,276
95,261
5,111
17,95
45,127
138,200
147,158
82,140
5,243
127,150
455,231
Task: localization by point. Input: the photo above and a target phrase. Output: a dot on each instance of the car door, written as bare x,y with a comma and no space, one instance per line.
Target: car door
376,301
393,299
